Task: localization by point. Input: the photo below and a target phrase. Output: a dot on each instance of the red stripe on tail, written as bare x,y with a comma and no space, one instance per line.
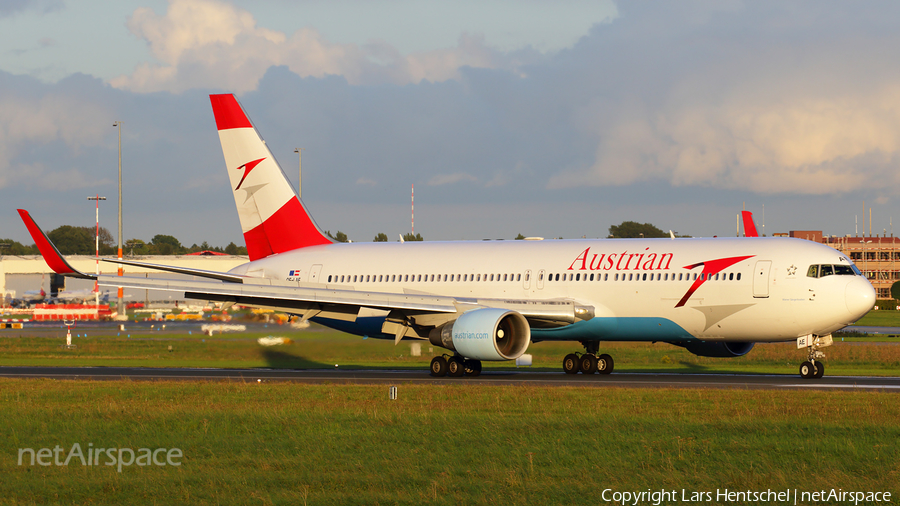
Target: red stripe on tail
288,229
228,112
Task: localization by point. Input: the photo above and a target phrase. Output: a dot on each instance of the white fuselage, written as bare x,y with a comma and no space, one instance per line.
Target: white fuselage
719,289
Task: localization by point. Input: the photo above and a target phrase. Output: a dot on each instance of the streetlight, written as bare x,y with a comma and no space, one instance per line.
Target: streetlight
299,152
97,199
3,245
120,311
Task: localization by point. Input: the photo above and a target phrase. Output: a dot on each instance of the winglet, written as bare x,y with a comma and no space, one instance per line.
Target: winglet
749,226
51,255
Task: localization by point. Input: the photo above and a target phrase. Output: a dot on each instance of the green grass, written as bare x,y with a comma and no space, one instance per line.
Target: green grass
284,443
881,318
323,348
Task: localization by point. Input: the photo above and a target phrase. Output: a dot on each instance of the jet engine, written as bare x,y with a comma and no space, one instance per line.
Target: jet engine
717,349
485,334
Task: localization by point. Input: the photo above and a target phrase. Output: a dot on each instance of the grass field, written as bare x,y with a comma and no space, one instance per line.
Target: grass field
285,443
323,348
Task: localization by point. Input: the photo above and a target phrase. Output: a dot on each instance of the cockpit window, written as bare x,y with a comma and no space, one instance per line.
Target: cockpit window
820,271
846,270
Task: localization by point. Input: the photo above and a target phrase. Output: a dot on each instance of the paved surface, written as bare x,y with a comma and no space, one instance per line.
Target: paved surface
632,380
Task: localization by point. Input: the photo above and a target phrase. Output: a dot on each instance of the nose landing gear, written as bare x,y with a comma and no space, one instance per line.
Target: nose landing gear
813,368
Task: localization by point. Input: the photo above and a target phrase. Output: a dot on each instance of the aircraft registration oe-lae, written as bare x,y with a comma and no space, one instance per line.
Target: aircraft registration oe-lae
489,300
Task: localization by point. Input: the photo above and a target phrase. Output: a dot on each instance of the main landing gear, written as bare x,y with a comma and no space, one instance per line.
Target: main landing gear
454,366
588,362
813,368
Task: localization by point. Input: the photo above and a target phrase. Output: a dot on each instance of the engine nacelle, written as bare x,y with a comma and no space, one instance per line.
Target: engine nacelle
717,349
485,334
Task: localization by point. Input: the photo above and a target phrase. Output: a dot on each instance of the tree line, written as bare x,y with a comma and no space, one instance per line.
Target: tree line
71,240
80,241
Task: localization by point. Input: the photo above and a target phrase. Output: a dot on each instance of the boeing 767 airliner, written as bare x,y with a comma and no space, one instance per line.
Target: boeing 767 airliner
489,300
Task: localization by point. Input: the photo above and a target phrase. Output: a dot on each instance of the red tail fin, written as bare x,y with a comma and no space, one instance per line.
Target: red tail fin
272,217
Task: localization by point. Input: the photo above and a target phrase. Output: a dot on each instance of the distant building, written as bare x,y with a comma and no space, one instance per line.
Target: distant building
878,257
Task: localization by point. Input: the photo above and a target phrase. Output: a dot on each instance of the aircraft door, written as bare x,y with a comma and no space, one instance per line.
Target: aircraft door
314,273
527,279
761,279
540,279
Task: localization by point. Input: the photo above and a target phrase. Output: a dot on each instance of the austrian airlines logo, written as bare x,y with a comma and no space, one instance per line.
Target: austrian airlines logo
710,267
248,166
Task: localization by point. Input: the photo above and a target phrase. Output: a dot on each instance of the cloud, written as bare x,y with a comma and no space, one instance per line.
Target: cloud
457,177
815,117
13,7
212,44
27,120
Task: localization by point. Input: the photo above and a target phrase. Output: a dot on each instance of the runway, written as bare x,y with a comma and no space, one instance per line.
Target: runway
399,377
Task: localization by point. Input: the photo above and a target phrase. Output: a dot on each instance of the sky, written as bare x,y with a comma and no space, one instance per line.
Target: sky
509,117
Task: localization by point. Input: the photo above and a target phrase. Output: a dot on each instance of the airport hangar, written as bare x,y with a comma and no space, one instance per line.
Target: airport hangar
19,274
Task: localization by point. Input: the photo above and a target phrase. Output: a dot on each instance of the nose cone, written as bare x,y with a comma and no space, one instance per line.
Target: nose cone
860,297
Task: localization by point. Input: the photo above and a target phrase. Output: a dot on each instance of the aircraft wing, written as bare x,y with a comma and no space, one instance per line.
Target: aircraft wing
409,314
344,304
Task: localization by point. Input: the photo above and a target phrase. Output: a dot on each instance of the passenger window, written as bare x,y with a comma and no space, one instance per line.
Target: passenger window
592,277
478,277
739,276
605,277
504,277
731,277
518,277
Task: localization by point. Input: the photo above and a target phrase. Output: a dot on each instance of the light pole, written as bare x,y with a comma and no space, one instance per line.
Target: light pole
120,311
3,245
97,199
299,152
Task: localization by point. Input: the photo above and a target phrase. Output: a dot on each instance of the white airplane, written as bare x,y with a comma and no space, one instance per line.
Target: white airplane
489,300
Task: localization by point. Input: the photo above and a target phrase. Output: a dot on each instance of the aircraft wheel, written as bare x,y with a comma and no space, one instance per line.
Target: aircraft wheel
455,367
570,364
604,364
473,367
807,370
438,367
588,364
820,370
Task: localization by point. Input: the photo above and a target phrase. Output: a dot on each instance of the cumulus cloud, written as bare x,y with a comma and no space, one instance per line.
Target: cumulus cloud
213,44
27,120
771,116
